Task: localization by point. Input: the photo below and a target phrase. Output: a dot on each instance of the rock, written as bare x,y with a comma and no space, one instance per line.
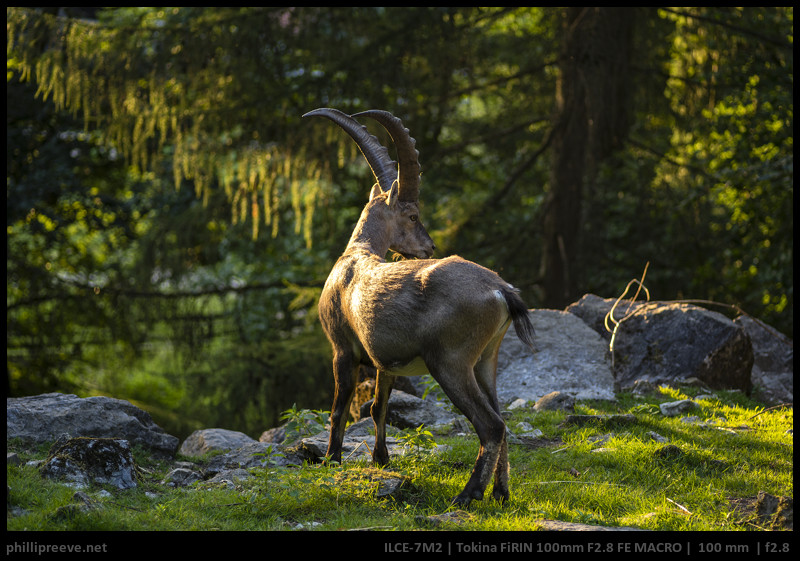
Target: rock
383,482
181,477
358,443
518,404
773,361
42,418
230,477
253,454
391,487
203,441
525,432
275,435
454,517
91,460
555,401
675,408
570,357
407,411
668,342
559,526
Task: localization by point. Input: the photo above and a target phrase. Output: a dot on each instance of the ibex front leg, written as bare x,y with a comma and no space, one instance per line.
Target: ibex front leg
383,389
345,373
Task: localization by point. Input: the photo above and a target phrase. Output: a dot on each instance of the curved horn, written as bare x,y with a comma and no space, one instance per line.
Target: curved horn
408,169
377,156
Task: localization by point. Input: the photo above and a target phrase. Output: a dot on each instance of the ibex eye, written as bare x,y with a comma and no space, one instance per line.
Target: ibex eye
413,217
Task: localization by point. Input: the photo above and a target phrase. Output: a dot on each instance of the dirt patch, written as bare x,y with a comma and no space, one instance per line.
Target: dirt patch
764,511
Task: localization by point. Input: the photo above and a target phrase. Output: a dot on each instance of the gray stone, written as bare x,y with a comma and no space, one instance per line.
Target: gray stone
407,411
555,401
454,517
85,461
254,454
230,477
358,443
773,361
181,477
518,404
203,441
570,358
674,408
42,418
559,526
275,435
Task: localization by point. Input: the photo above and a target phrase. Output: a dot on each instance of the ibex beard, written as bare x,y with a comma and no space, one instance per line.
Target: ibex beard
406,318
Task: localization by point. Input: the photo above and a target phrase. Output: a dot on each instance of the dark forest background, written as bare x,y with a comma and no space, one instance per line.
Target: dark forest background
171,218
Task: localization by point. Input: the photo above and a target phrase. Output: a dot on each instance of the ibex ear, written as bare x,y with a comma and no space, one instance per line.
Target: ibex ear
376,190
391,200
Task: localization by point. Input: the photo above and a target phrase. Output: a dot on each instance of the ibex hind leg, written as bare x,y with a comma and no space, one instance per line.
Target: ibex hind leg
486,376
465,393
501,474
345,374
383,389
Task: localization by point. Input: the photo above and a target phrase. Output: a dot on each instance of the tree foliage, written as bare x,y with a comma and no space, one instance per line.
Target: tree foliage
171,217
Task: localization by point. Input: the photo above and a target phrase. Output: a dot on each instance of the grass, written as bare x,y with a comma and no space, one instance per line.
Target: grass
609,476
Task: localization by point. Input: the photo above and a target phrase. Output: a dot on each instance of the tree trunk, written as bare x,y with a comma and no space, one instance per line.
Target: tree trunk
591,119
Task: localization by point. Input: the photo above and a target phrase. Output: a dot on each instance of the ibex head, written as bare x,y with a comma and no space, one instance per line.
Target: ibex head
391,219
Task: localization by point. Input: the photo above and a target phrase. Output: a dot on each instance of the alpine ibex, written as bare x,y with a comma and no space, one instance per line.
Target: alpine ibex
443,316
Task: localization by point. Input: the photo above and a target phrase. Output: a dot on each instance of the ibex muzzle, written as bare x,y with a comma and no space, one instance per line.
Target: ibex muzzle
443,316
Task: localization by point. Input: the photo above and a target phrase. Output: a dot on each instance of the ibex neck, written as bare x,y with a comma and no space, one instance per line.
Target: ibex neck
370,235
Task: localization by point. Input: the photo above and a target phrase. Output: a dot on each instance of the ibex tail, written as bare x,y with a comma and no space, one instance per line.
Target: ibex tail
519,315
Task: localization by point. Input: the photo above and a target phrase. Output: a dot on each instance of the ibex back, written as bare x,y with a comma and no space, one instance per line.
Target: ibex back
443,316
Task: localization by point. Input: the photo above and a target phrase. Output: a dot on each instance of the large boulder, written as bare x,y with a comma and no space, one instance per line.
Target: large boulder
773,361
570,358
670,342
43,418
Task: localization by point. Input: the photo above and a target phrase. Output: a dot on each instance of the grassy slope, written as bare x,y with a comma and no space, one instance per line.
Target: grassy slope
569,476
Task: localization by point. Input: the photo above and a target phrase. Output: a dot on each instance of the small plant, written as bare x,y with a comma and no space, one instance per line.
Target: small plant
433,389
270,456
417,441
304,422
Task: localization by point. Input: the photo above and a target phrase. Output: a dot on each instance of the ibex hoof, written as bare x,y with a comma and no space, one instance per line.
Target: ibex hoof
466,497
501,496
461,501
